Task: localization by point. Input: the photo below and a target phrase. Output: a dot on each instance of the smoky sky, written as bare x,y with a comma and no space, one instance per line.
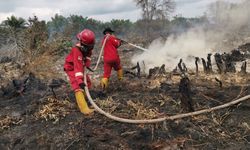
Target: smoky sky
103,10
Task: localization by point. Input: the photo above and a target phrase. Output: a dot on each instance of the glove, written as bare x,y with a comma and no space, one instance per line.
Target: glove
123,42
82,85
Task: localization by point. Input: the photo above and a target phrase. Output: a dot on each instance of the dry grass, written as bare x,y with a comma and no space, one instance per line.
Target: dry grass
109,104
6,122
143,112
54,110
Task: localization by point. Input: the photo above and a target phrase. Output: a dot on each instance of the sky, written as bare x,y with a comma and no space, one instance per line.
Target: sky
103,10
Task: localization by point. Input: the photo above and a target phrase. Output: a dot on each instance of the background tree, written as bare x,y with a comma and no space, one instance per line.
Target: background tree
155,10
15,26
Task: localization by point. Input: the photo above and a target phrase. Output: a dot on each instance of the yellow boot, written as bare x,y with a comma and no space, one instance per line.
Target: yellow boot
82,104
120,74
104,83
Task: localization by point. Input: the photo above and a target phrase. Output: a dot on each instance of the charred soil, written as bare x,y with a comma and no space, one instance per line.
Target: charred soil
43,115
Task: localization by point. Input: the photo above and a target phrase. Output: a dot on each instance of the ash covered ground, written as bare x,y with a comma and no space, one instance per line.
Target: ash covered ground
38,113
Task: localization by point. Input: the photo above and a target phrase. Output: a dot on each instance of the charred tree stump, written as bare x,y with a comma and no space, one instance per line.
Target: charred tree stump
180,66
153,71
243,69
209,63
204,65
197,59
184,67
219,81
157,71
144,66
138,70
185,91
21,85
229,64
219,63
162,69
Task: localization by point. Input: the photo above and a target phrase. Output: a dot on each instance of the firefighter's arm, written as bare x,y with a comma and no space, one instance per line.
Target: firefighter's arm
116,42
78,65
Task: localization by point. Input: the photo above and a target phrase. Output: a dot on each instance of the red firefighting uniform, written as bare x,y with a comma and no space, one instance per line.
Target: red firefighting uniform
74,67
111,56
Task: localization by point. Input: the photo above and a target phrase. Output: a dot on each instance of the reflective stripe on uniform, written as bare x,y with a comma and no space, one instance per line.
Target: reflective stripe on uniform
78,74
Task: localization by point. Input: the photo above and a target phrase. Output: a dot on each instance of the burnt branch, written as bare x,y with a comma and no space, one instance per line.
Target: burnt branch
129,72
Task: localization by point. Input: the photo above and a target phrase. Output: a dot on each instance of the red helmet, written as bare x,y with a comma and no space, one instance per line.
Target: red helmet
86,37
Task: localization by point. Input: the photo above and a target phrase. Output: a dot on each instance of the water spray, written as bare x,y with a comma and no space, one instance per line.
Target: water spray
136,46
141,48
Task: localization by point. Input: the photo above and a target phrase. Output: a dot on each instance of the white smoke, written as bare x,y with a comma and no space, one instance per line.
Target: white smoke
184,46
229,27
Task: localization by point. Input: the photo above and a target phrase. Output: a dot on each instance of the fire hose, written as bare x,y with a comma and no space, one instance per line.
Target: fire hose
144,121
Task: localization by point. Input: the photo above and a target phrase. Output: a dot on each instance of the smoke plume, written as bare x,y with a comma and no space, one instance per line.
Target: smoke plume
228,27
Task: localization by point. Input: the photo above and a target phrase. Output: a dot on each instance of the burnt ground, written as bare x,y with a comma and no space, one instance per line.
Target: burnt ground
35,118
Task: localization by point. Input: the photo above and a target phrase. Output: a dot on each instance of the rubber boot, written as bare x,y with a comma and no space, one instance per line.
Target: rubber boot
104,83
82,104
120,74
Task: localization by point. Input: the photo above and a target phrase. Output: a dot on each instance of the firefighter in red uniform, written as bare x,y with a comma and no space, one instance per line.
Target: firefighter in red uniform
75,62
110,56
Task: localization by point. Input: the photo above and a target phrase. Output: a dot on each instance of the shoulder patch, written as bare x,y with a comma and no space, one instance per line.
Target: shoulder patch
79,57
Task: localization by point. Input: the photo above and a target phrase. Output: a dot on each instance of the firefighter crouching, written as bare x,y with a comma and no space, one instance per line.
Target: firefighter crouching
75,62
